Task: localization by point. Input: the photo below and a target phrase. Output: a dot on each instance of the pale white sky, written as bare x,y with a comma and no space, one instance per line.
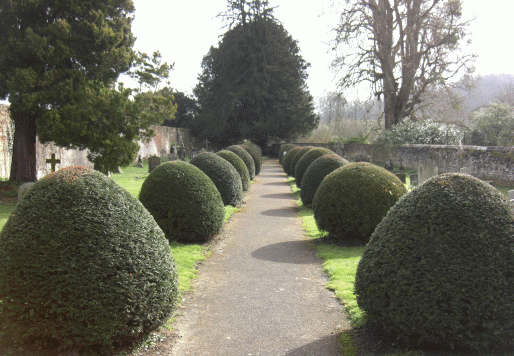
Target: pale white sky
184,31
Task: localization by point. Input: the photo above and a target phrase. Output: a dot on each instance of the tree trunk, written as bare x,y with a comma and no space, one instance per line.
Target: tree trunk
23,166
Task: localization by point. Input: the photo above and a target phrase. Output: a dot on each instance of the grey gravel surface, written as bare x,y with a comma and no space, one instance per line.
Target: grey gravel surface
262,292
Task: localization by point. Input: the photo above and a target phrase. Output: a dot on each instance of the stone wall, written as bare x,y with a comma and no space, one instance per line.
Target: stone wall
495,164
159,145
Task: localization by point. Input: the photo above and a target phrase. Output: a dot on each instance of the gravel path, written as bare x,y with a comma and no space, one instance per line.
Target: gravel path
262,292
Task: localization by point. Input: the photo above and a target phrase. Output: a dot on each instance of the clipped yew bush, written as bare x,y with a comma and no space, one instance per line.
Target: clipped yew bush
246,157
239,165
286,162
439,268
83,265
351,201
257,147
284,148
305,161
256,157
316,172
184,201
296,158
223,175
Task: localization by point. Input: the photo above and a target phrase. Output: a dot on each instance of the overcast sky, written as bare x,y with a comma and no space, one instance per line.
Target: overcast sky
183,32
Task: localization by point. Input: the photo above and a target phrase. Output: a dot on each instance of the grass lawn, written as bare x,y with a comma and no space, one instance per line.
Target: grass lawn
340,263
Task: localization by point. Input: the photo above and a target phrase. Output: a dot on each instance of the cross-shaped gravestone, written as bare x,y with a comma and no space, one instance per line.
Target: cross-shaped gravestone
53,161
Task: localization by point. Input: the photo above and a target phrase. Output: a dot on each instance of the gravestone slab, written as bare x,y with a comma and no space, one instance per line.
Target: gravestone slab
401,176
413,180
389,165
153,162
426,171
24,189
511,194
465,170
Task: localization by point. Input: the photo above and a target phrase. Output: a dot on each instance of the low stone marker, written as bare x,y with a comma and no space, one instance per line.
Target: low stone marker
413,180
426,171
24,189
511,195
153,162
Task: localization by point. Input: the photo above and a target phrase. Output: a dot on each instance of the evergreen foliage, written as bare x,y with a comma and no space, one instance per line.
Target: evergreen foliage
351,201
239,165
286,162
246,157
183,201
83,265
296,158
224,176
253,84
306,160
316,172
256,157
439,267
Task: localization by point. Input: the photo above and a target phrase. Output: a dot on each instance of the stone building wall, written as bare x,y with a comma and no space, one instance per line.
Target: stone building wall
6,134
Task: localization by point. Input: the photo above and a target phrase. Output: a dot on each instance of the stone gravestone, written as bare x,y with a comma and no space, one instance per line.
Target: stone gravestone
181,153
339,150
511,195
413,180
401,176
139,163
389,165
427,170
153,162
465,170
24,189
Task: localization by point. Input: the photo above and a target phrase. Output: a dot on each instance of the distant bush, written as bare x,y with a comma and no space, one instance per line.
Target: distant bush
183,201
439,267
353,199
306,160
83,265
297,157
246,157
421,132
286,162
255,156
239,165
315,174
224,176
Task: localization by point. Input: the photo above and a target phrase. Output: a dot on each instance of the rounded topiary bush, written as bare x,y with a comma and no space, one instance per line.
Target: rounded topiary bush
246,157
317,171
286,162
83,265
305,161
256,157
257,147
297,157
223,175
439,268
184,201
239,165
351,201
284,148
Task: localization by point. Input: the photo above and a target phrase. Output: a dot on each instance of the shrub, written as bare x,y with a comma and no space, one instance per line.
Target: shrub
439,268
257,148
297,157
286,162
184,201
83,265
239,165
353,199
223,175
315,174
284,148
256,157
245,156
306,160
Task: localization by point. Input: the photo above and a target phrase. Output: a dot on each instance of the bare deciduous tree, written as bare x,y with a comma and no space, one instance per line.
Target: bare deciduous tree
400,47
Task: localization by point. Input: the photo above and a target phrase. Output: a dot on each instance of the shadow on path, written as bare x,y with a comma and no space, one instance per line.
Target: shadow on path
295,252
281,212
321,347
279,196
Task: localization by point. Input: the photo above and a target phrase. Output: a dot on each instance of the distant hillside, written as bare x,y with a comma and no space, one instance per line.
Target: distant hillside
486,89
